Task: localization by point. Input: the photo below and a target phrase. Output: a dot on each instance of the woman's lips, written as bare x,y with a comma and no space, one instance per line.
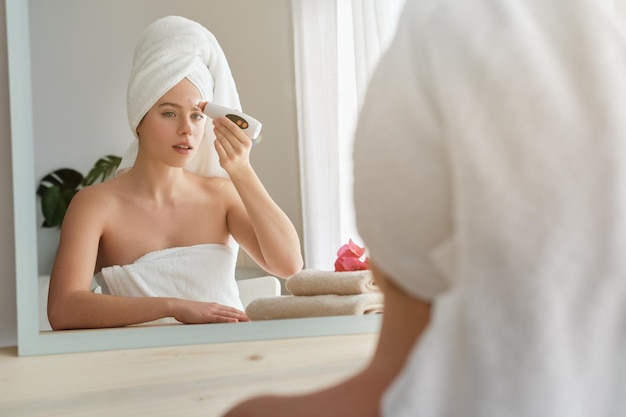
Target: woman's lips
183,148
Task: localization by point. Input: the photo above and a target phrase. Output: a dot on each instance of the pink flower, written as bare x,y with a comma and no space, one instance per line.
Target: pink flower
349,258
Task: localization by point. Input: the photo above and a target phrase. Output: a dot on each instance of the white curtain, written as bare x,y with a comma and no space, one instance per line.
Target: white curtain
337,44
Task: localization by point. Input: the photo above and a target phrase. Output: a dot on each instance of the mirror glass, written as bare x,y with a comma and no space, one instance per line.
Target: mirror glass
68,65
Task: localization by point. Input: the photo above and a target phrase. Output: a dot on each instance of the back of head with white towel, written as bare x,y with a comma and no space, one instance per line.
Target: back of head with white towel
173,48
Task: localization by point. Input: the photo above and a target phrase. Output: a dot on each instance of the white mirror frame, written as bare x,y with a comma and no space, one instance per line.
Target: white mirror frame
33,342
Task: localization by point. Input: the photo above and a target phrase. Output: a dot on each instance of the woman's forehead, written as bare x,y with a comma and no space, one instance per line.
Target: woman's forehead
183,92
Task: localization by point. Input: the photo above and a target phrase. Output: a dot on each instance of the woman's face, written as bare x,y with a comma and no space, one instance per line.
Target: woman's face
173,128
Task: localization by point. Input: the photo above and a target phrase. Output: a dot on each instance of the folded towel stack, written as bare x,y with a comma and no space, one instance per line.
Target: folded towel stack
318,293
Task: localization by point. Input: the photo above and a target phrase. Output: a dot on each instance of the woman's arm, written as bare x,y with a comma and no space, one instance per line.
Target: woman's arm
254,219
71,304
404,320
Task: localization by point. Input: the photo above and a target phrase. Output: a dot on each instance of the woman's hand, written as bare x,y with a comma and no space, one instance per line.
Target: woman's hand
198,312
232,145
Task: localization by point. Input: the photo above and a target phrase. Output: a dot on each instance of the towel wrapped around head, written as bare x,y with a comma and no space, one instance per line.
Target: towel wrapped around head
173,48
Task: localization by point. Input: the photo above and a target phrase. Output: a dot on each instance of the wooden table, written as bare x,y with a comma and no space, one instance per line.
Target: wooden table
203,380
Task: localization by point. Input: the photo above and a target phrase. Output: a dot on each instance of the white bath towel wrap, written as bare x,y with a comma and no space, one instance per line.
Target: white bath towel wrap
173,48
203,272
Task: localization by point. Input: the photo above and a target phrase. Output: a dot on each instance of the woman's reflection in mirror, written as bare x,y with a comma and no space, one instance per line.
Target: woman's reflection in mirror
162,236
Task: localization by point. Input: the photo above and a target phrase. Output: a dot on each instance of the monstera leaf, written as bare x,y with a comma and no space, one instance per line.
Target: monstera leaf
103,168
59,187
56,191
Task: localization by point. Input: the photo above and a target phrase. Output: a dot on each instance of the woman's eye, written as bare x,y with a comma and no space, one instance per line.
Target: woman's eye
169,114
197,116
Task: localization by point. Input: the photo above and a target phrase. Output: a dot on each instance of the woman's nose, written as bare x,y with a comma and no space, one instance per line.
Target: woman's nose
184,127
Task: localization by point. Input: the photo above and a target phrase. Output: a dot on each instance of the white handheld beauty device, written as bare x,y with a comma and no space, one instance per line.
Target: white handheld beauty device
250,125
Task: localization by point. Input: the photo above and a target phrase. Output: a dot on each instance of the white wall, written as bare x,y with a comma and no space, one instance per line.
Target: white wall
79,106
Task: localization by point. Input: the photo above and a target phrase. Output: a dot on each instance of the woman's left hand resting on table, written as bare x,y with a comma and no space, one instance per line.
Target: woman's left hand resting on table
199,312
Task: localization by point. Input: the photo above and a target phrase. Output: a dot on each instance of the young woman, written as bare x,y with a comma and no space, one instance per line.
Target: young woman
160,235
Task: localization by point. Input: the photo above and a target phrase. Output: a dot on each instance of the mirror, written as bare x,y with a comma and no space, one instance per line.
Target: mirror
50,106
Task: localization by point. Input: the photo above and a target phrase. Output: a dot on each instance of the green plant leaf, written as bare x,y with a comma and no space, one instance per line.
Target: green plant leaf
56,191
104,168
54,202
64,178
59,187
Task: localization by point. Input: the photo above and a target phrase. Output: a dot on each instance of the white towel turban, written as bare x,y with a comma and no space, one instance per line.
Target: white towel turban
173,48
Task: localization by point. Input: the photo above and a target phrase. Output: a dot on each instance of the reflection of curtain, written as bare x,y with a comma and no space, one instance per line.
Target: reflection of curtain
337,43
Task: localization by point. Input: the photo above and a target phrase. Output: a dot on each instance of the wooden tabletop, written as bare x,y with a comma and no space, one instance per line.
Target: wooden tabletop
202,380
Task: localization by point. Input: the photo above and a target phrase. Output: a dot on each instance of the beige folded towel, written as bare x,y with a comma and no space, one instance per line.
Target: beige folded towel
316,282
289,307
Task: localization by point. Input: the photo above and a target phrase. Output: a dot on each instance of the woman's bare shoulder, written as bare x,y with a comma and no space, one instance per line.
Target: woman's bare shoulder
98,197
